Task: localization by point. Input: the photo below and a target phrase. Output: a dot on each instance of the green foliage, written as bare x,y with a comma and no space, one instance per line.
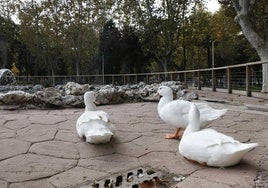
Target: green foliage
133,36
258,14
196,39
8,41
121,50
232,46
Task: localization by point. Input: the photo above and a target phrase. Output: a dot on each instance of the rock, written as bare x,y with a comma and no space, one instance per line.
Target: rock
135,86
101,98
71,94
15,97
147,91
72,88
27,88
7,77
73,101
37,88
110,95
184,95
49,97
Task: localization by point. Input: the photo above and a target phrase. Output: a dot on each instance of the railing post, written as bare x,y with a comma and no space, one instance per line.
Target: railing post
136,78
171,77
198,80
185,78
213,80
229,86
113,79
248,92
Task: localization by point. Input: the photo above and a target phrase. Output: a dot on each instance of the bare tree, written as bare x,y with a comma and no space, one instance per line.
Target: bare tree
252,17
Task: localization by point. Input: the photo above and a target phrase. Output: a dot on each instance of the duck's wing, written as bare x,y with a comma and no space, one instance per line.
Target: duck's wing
106,118
210,138
214,148
103,116
176,112
201,143
88,116
208,113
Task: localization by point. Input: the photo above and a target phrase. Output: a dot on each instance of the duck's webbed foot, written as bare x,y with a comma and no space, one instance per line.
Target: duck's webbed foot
176,135
196,162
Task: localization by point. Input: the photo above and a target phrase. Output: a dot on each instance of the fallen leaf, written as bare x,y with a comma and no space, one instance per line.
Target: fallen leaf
153,183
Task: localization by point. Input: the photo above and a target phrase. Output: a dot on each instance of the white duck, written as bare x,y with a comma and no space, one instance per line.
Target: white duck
209,147
175,112
93,124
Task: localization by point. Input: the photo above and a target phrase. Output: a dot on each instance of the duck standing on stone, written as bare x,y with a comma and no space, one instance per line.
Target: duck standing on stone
209,147
94,124
175,112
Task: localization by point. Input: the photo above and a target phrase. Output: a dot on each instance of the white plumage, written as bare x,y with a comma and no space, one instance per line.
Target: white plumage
175,112
210,147
94,124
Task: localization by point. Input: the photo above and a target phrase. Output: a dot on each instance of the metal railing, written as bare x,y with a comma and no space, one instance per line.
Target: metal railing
235,77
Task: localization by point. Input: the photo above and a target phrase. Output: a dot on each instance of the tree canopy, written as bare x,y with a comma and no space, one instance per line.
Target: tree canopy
252,17
79,36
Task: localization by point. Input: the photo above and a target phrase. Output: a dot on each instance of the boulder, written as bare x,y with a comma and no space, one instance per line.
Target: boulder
184,95
71,94
73,101
15,97
26,88
49,97
7,77
72,88
110,95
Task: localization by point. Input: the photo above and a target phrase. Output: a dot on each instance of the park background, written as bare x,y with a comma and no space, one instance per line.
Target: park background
89,37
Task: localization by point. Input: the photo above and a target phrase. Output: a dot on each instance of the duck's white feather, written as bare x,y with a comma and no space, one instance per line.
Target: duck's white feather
175,112
93,124
209,146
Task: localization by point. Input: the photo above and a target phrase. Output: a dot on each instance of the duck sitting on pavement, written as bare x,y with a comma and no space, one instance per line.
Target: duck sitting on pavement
94,124
209,147
175,112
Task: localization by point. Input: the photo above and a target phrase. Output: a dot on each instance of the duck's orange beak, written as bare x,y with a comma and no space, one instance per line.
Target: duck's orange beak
96,102
156,95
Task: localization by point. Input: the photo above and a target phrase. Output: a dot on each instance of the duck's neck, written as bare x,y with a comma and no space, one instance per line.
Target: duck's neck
90,107
192,127
163,101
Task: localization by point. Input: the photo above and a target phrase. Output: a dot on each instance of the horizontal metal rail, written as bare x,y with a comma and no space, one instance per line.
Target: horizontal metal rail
228,76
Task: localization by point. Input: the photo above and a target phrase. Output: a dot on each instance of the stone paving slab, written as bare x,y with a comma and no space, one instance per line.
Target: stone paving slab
40,148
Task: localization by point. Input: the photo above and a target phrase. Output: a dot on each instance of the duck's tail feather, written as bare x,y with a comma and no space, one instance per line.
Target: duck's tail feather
99,139
208,113
248,146
215,114
98,132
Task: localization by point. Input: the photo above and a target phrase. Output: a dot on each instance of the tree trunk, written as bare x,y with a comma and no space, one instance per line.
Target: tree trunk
260,44
77,64
77,68
165,68
53,77
265,77
3,52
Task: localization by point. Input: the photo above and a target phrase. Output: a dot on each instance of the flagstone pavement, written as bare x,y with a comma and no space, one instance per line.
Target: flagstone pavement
40,148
